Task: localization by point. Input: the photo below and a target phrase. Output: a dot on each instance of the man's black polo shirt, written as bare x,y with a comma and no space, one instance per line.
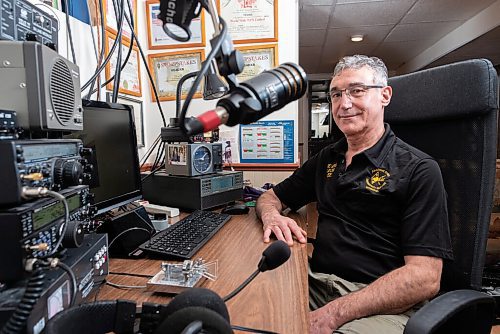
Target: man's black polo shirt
390,202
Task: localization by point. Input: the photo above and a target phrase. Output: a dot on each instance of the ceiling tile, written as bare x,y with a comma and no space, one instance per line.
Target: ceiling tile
357,1
317,2
311,17
445,10
399,52
311,37
372,35
326,68
369,13
432,31
332,53
308,58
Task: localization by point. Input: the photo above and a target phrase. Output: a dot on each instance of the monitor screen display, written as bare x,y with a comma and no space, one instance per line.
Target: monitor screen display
109,130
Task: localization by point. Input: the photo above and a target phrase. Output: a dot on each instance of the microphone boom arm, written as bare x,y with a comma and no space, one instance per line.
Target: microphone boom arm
242,286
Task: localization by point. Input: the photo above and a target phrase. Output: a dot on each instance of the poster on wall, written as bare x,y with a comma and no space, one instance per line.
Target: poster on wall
267,142
158,39
250,21
230,145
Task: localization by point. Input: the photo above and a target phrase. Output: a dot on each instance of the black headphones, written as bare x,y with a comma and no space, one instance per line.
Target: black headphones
191,311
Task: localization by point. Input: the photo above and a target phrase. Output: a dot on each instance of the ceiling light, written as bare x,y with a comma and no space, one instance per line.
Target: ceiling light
356,38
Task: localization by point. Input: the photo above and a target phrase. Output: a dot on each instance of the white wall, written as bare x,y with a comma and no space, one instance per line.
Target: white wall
288,26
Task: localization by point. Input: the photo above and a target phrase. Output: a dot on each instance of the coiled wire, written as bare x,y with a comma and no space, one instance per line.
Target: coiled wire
34,288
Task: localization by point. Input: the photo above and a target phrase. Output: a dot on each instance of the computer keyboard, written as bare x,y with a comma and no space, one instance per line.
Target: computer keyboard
187,236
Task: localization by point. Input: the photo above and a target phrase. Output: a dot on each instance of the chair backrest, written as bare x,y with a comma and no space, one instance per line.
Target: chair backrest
450,112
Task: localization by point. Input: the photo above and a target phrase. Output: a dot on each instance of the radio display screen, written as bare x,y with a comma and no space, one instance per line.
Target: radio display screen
47,151
48,214
222,183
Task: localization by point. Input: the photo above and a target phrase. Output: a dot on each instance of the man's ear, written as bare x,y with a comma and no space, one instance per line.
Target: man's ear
386,95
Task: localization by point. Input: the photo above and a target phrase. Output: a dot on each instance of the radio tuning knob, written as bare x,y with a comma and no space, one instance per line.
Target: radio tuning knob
73,237
68,173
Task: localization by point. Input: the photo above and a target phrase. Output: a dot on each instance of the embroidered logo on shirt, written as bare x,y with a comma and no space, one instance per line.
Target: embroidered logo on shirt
330,168
377,180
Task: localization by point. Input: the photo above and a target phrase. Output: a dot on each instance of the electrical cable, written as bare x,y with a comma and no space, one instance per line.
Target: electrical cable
116,83
126,231
150,151
93,35
103,48
34,288
108,57
124,63
251,330
121,286
70,35
206,65
178,91
72,277
159,157
153,84
129,274
151,173
101,284
145,62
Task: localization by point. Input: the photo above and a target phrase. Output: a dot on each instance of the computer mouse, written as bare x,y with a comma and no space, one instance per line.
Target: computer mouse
236,209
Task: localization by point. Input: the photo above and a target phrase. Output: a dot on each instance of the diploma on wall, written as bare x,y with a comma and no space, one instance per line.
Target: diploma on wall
169,68
130,76
250,21
258,58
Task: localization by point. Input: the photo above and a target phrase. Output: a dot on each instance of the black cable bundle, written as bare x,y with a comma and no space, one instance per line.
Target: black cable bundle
34,288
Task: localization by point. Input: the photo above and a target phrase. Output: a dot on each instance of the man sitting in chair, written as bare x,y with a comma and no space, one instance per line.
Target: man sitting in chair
383,223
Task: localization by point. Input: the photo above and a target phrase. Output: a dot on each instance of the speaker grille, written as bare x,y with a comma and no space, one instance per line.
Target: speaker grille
62,92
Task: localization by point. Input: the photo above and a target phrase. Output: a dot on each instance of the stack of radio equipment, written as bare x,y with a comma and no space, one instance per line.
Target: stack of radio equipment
193,168
47,262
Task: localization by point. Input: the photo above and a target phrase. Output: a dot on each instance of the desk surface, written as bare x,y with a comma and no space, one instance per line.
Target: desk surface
275,300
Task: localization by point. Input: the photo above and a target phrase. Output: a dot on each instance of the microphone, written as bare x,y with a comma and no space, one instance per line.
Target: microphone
177,16
253,99
273,256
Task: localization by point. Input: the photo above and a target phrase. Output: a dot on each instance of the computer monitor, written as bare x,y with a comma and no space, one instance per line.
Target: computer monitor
109,130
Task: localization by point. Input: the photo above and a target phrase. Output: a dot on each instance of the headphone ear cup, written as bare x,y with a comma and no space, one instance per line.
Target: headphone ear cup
213,323
197,297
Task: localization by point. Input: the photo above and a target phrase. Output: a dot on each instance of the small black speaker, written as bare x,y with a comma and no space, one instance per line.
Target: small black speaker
127,231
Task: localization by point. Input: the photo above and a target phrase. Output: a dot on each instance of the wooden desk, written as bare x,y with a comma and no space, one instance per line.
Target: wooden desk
275,300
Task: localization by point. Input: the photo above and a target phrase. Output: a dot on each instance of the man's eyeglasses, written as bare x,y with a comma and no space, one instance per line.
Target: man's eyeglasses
352,92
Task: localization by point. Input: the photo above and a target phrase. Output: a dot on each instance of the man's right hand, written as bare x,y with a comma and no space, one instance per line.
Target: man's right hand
282,227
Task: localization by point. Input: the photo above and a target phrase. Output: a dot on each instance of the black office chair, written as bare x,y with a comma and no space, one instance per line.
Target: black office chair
450,112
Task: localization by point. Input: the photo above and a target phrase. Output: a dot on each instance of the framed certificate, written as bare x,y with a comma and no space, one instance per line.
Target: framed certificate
158,39
138,114
257,60
130,76
169,68
111,20
250,21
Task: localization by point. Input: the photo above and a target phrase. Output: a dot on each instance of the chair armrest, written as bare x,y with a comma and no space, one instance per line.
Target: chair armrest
450,309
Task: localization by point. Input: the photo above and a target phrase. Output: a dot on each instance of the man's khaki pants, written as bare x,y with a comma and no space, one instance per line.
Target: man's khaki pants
324,288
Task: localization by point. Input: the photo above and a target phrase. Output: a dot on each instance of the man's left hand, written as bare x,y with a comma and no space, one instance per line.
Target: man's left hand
322,321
